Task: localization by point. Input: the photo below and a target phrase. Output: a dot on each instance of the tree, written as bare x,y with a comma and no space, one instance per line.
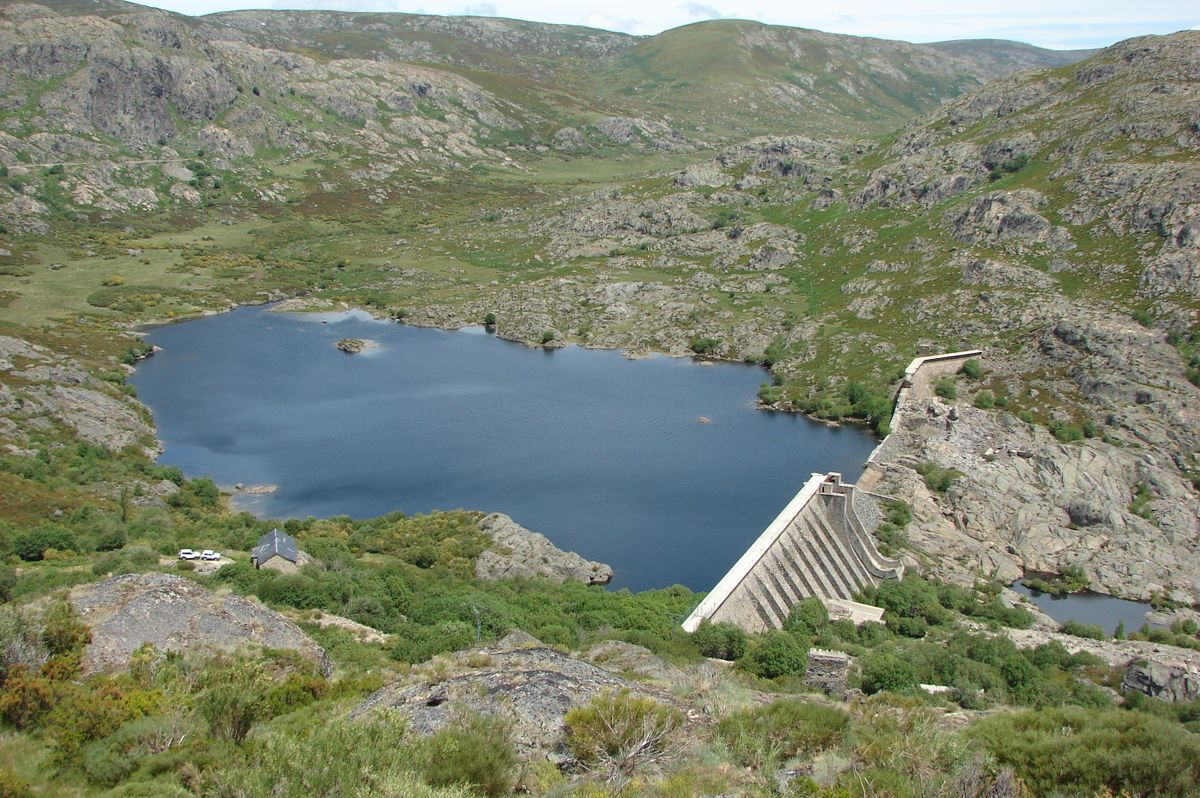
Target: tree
720,640
887,672
807,617
777,654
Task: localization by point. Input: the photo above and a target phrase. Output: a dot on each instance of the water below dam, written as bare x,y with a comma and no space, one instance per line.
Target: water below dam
1088,607
661,467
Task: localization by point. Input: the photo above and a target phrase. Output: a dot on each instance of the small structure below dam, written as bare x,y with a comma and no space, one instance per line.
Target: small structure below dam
820,545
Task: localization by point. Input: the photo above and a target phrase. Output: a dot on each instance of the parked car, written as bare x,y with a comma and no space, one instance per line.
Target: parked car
209,554
187,554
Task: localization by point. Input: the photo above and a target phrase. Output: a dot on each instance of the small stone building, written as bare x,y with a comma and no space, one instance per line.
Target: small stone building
278,551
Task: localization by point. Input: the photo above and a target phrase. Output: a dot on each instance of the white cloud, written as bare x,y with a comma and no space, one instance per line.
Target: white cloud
700,11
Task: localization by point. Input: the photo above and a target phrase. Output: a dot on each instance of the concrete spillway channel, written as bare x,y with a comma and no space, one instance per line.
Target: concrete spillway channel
819,545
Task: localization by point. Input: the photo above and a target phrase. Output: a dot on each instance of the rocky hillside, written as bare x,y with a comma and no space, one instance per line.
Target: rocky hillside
608,191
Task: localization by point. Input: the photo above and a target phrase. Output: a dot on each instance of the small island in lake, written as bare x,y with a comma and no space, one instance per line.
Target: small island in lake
353,346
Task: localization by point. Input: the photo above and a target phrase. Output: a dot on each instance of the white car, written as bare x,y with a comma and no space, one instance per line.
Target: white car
209,554
188,554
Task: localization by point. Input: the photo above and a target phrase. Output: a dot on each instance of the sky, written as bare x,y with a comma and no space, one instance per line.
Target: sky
1059,24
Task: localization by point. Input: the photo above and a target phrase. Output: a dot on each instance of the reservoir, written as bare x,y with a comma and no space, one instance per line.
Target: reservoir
661,467
1088,607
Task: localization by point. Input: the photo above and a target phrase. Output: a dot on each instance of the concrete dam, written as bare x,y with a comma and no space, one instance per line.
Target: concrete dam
820,545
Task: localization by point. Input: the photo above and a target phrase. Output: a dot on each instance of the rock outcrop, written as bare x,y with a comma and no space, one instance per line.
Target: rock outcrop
532,686
353,346
1175,685
176,614
517,552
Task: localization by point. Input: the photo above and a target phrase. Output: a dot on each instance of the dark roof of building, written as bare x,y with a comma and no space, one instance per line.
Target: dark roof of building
276,542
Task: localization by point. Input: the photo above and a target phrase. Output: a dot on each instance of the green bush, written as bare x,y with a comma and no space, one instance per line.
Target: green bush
985,400
331,760
972,368
938,479
616,732
13,786
777,654
1088,630
946,389
234,698
489,319
1076,751
705,347
889,672
764,737
473,751
720,640
30,546
1067,433
807,617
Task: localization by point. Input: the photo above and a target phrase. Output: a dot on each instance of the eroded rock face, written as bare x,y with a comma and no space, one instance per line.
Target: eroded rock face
521,553
176,614
533,686
58,389
1175,685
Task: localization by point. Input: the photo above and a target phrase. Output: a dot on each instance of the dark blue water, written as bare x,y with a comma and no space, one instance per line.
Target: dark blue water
603,455
1094,608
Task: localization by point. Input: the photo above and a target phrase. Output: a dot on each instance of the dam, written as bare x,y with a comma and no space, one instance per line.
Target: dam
819,545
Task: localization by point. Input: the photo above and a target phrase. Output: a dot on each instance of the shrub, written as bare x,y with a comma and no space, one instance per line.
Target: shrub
62,631
13,786
777,654
720,640
887,672
985,400
1140,506
704,347
31,546
1076,751
233,698
8,580
1067,433
946,389
489,319
474,751
547,336
1088,630
615,733
333,760
938,479
807,617
763,737
972,369
1026,416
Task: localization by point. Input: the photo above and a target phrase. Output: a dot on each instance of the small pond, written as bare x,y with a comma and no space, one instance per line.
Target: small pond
1088,607
661,467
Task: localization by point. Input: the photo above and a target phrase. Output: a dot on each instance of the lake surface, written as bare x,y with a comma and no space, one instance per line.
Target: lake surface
604,455
1095,608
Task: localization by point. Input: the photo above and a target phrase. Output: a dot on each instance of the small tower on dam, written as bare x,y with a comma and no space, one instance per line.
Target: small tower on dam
819,545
